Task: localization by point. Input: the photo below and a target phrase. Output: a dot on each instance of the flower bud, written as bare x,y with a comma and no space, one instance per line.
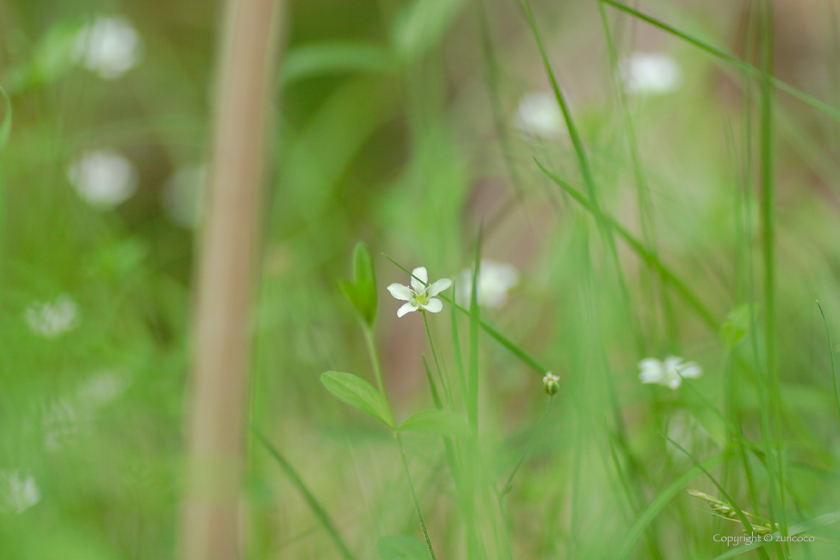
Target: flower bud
551,383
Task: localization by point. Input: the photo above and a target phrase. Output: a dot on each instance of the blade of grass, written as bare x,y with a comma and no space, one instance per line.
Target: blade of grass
585,170
313,503
742,517
748,68
831,357
768,216
639,248
661,500
472,364
456,347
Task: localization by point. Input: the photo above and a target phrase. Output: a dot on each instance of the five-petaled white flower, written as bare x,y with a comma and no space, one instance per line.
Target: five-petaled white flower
421,294
668,373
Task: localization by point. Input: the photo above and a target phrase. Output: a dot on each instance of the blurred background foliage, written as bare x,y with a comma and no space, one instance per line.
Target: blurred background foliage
409,125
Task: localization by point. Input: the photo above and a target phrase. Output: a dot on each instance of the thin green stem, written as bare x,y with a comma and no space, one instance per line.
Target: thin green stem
748,68
509,484
831,357
374,360
446,390
313,503
414,497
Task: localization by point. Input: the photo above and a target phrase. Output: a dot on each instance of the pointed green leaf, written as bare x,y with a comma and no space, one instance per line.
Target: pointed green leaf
362,291
335,58
358,393
434,421
402,547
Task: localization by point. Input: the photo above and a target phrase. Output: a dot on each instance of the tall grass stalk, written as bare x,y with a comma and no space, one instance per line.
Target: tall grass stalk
225,278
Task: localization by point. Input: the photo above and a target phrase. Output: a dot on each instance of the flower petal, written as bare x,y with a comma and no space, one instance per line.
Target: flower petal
438,287
406,308
650,363
672,362
400,292
419,285
434,305
690,369
650,376
674,382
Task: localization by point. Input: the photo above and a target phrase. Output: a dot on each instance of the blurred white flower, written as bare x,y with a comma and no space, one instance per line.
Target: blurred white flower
539,114
102,388
104,178
50,319
109,46
669,372
688,433
17,494
494,281
182,195
653,73
419,296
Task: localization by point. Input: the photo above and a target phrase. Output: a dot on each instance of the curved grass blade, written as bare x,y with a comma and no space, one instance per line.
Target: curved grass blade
742,517
313,503
831,356
658,503
748,68
639,248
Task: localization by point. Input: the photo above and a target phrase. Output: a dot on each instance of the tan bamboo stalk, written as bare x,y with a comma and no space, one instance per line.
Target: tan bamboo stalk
226,281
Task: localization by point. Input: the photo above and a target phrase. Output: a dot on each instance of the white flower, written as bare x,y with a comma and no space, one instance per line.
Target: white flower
668,373
109,46
421,294
103,178
17,494
102,388
539,114
50,319
653,73
494,281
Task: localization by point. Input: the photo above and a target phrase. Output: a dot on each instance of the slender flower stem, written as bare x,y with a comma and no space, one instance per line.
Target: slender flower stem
443,383
374,360
414,497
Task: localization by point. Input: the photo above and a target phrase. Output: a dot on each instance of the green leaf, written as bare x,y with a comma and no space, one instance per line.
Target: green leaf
358,393
332,58
422,25
434,421
736,325
362,291
402,547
